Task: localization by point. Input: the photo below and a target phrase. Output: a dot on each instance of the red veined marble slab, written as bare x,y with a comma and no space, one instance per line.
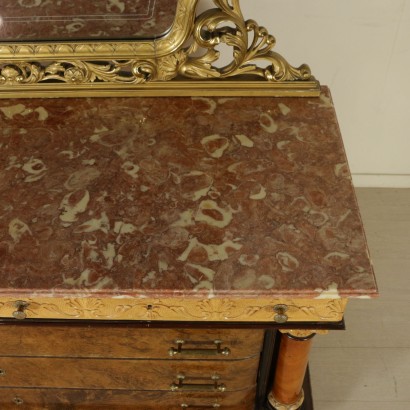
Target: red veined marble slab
51,20
214,197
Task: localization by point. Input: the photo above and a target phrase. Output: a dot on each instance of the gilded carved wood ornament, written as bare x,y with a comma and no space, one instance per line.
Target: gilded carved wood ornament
178,61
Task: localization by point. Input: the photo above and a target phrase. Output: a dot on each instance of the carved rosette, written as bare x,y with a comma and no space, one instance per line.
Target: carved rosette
250,44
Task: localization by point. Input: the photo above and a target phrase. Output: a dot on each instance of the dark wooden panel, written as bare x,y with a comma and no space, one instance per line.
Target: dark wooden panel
266,367
179,325
307,388
124,374
125,342
67,399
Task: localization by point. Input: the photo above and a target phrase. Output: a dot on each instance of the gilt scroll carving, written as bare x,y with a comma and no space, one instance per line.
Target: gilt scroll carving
160,67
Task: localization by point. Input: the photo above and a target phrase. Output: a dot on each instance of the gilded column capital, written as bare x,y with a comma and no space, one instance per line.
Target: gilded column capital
303,333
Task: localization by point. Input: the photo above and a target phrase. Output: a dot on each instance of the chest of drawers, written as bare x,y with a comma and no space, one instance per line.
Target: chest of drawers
52,366
172,253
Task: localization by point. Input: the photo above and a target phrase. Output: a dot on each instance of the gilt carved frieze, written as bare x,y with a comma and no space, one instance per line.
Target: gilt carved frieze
176,309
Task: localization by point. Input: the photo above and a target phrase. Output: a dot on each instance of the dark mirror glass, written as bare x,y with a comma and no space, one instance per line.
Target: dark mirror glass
59,20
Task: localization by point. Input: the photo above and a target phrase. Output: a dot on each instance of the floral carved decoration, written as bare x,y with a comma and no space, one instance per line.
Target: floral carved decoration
208,310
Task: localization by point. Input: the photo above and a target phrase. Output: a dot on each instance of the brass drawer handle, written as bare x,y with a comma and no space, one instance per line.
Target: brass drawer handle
280,311
18,401
2,372
21,306
201,406
211,387
222,351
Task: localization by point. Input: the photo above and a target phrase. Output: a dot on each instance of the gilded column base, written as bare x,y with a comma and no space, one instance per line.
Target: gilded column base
277,405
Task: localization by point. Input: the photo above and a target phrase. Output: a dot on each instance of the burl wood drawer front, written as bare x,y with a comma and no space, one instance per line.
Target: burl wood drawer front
128,374
52,399
128,342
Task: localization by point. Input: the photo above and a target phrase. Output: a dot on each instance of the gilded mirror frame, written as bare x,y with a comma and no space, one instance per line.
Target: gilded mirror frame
181,62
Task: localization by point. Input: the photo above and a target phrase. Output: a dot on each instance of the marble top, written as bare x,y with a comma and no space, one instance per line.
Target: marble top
51,20
162,197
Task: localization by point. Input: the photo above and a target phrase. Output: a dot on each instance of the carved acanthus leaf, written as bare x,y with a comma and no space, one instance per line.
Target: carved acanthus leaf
222,310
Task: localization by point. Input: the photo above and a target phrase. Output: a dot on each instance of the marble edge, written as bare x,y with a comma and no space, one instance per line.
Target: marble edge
357,293
326,294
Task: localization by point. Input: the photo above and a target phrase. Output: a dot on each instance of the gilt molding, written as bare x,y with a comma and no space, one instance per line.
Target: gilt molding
175,309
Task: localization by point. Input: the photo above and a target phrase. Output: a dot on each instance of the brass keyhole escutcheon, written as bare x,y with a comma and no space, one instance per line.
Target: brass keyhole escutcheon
2,372
21,306
281,316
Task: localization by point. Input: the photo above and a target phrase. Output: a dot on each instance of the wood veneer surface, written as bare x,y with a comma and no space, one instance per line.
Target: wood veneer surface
117,342
68,399
124,374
